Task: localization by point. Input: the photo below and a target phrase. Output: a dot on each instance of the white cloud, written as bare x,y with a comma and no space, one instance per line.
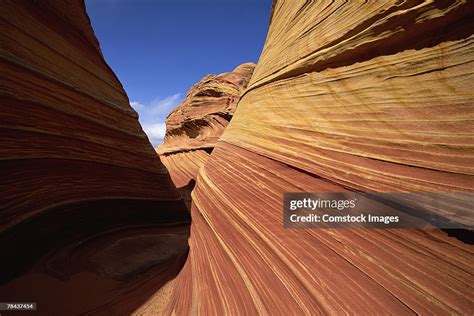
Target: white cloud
137,106
152,116
156,132
164,106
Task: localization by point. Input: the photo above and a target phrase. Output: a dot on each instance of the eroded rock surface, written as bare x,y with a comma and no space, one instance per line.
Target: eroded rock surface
193,127
89,218
346,96
373,96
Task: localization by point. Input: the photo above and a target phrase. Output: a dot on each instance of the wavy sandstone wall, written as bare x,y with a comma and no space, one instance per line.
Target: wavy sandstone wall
346,96
373,95
89,219
194,126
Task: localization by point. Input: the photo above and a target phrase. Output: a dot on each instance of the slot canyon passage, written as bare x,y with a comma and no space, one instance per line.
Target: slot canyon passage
346,96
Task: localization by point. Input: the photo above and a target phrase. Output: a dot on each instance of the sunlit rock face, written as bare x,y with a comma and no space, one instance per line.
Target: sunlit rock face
89,218
193,127
373,96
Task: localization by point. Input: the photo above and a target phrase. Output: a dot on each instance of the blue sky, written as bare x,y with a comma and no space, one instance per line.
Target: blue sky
160,48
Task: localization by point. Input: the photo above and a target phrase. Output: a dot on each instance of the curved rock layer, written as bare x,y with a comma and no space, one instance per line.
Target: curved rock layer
193,127
89,218
209,105
373,96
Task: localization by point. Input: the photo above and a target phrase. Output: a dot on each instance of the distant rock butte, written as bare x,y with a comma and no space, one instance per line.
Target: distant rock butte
369,96
90,221
193,127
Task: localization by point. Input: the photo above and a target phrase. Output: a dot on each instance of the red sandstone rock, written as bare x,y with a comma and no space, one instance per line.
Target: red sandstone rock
348,96
372,96
89,219
193,127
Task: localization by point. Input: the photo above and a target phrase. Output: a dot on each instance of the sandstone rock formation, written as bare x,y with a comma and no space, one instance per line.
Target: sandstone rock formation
372,96
364,96
89,218
193,127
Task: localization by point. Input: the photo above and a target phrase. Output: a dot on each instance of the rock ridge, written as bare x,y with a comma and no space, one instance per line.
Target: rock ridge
194,127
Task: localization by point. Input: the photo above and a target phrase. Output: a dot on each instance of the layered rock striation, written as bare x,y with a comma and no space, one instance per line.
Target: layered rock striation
346,96
374,96
193,127
89,218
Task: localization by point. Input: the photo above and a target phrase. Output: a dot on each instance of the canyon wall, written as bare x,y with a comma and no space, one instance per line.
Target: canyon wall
360,96
373,96
89,218
194,126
